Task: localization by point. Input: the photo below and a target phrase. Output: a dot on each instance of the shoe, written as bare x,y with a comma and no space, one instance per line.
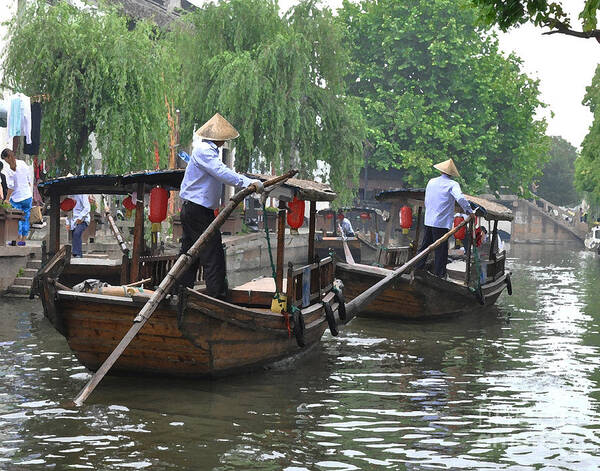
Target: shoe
21,243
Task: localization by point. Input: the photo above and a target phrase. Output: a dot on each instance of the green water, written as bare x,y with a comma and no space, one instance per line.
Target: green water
515,387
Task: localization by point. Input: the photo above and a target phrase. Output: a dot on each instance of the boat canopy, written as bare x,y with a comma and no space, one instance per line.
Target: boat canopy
495,211
170,180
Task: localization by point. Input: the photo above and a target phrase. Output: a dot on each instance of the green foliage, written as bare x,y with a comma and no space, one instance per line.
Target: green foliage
557,183
587,166
103,76
278,80
433,87
542,13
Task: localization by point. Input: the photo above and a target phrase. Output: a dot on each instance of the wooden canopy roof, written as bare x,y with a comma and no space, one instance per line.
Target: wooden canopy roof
495,211
170,180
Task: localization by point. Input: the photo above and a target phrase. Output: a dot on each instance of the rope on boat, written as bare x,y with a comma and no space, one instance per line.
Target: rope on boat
274,270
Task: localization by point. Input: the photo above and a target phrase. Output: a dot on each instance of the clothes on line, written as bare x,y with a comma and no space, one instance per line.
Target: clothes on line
33,148
19,117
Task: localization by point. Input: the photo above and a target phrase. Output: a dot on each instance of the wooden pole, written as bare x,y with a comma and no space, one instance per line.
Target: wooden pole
113,227
138,234
181,265
367,296
494,241
311,231
280,246
54,230
468,249
418,230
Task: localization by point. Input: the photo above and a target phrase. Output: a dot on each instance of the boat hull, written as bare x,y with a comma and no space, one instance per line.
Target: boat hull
210,337
425,297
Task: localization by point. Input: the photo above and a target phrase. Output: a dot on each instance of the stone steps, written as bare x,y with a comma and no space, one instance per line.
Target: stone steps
18,290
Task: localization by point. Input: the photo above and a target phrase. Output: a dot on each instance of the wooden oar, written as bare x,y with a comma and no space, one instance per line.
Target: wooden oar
367,296
347,253
181,265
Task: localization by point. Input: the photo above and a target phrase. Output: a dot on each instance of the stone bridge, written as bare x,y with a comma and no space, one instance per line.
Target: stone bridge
539,221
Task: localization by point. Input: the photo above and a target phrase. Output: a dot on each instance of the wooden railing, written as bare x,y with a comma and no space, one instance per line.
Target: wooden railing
156,268
310,283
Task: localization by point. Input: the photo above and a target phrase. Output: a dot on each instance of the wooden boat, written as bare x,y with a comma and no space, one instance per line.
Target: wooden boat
365,247
195,335
421,295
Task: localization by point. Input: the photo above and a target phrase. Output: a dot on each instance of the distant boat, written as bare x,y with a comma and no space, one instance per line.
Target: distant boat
592,240
471,283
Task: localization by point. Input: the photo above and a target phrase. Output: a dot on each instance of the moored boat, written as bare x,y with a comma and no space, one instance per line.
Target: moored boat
475,279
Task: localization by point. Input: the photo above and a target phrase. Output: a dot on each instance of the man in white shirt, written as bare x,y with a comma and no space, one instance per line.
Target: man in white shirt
79,222
20,190
441,195
201,190
346,226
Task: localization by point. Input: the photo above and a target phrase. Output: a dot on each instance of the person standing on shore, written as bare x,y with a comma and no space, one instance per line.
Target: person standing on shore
20,190
79,222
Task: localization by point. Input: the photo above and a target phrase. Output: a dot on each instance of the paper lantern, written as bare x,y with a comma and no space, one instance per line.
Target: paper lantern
406,219
295,214
462,232
329,215
67,204
158,205
365,216
129,204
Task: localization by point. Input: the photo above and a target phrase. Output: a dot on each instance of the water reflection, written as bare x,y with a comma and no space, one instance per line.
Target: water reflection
512,387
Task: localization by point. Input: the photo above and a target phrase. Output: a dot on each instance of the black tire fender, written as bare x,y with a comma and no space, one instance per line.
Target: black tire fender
299,327
339,297
508,284
330,319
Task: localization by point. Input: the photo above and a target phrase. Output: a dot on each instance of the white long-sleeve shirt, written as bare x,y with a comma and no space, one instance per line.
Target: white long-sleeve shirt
20,181
81,210
440,197
205,174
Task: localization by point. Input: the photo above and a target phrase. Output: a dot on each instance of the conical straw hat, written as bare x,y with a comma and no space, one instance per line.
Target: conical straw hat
217,128
447,167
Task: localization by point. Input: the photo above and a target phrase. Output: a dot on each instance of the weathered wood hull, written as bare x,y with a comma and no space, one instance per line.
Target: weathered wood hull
425,297
210,338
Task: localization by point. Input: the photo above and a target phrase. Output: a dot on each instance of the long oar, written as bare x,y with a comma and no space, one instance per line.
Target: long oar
367,296
181,265
347,253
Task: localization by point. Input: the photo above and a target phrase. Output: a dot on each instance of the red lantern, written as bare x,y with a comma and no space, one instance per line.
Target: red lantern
129,204
462,232
329,215
365,216
67,204
295,215
405,219
158,205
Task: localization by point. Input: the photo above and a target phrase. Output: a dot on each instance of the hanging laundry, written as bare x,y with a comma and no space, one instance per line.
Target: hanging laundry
19,117
36,121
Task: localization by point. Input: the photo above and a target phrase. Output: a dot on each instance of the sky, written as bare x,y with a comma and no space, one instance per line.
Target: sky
563,65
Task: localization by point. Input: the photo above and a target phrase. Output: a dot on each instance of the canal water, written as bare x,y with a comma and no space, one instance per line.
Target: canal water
512,387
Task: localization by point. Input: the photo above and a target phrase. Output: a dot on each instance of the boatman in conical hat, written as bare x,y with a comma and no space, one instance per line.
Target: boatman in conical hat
441,195
201,190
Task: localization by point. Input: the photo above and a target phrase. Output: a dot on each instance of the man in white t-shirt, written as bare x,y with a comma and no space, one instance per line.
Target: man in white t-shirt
20,190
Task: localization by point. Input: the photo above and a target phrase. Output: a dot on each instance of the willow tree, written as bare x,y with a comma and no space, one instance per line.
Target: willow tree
432,87
587,165
104,75
279,80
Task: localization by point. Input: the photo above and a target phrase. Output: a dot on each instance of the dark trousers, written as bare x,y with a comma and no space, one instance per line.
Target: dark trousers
77,232
194,221
441,253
